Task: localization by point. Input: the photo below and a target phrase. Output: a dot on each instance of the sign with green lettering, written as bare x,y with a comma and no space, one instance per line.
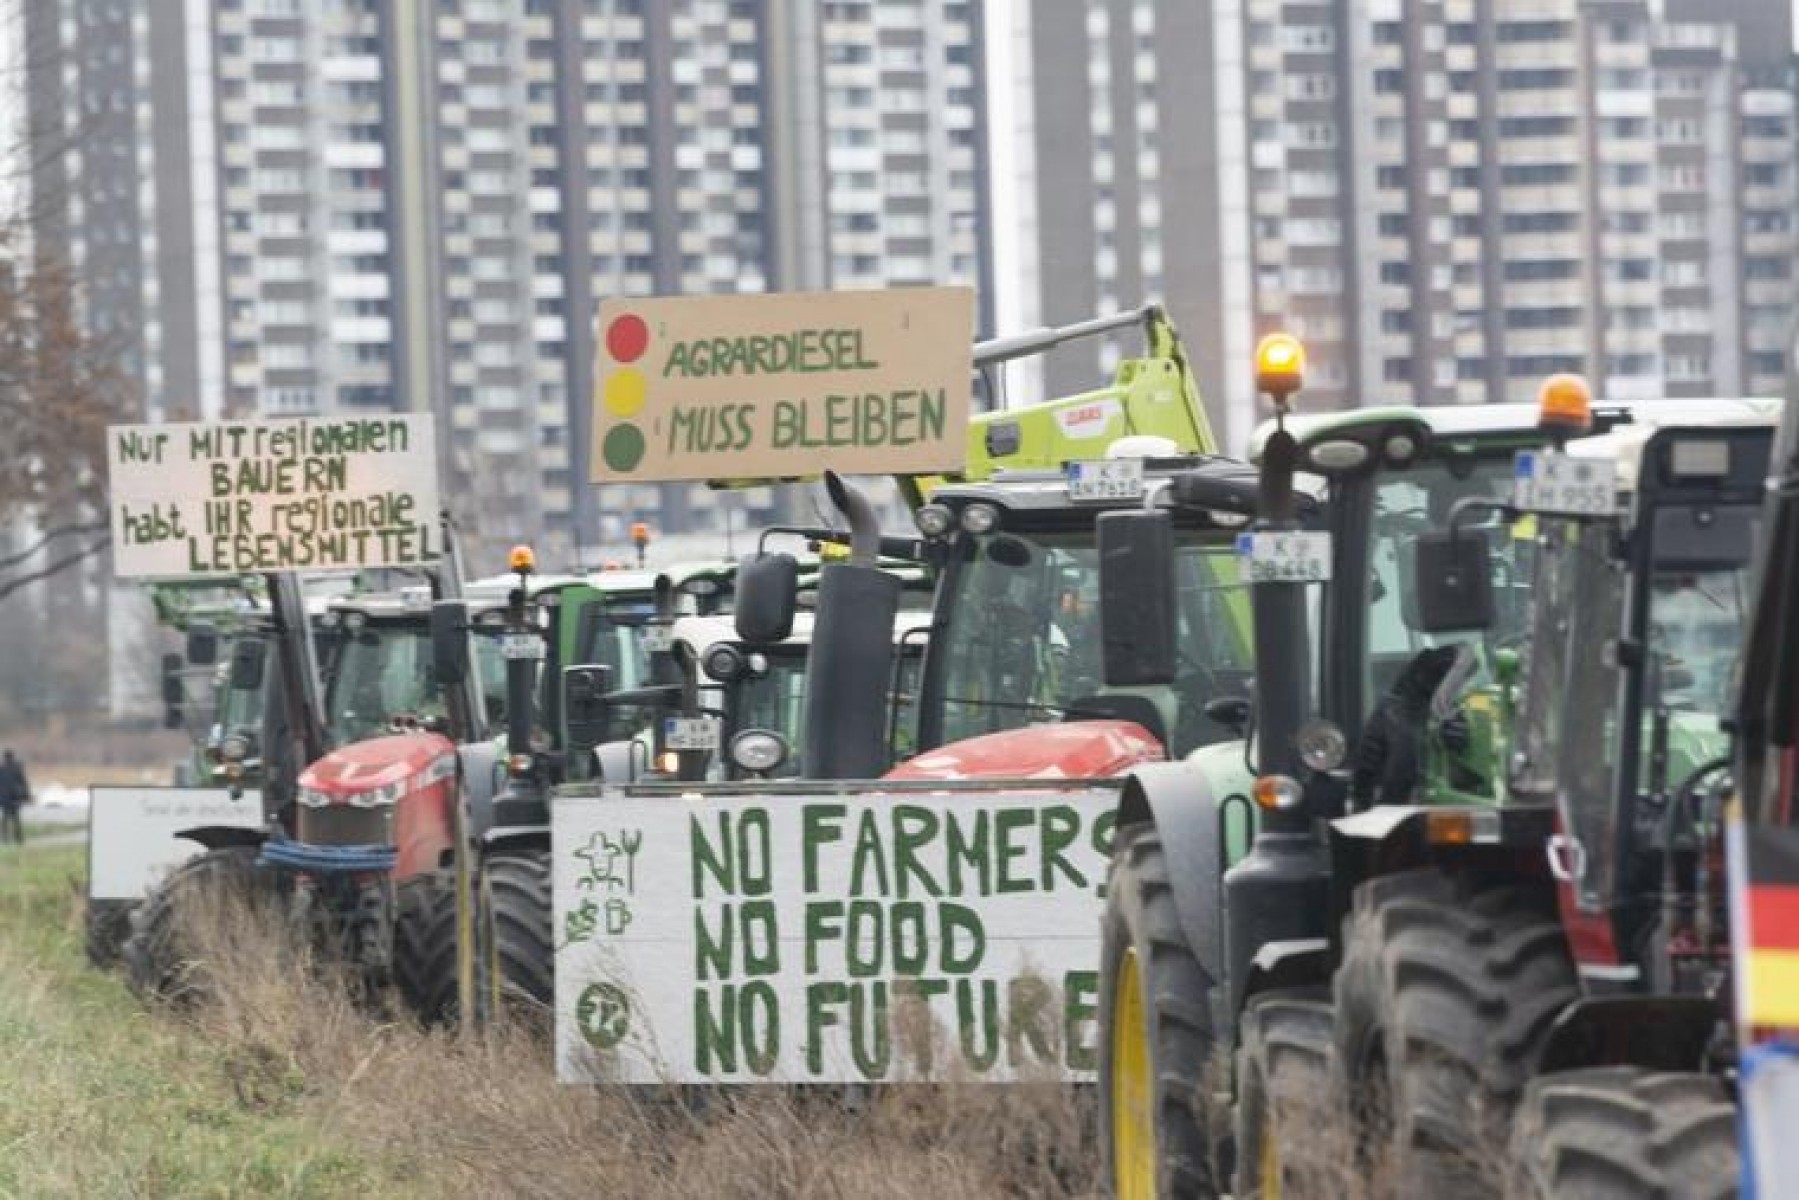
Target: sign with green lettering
827,938
239,497
778,386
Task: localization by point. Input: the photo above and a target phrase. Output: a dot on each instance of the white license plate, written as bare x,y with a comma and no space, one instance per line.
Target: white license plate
1291,557
690,733
1545,482
657,638
521,645
1108,479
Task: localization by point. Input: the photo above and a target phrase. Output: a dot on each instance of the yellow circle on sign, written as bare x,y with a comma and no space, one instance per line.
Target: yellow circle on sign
625,392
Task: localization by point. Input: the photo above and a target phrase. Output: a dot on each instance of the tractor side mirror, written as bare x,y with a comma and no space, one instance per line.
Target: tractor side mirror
1454,590
248,658
767,594
1232,712
202,643
1136,597
584,693
173,696
1699,538
449,641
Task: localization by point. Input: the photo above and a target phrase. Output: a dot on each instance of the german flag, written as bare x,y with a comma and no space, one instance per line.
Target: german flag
1764,870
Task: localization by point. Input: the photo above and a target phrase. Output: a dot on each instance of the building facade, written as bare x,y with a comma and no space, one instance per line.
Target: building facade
1447,201
392,204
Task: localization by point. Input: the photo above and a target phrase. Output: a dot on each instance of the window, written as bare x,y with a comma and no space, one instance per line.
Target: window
1540,270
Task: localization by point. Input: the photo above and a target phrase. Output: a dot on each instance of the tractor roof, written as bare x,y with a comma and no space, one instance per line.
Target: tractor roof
1624,444
1500,421
702,633
1047,491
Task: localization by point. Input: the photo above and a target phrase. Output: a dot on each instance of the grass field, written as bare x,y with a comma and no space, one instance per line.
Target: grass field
282,1088
105,1099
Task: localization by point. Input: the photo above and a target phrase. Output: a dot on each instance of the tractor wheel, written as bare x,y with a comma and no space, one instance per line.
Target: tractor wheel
107,923
517,914
1283,1080
1618,1133
1446,992
159,962
424,955
1155,1034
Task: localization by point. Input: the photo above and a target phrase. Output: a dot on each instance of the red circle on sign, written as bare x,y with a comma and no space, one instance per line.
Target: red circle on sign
626,338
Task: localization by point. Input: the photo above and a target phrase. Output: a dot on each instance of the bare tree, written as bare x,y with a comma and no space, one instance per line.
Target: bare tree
59,390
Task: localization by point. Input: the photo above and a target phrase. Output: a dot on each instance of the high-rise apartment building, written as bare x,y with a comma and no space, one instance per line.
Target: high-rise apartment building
409,205
123,191
1447,201
1129,182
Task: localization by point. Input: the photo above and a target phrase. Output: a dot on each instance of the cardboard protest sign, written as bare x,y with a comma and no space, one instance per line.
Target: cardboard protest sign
828,938
779,386
131,840
239,497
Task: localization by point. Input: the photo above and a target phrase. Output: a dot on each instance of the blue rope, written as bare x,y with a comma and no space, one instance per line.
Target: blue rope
305,856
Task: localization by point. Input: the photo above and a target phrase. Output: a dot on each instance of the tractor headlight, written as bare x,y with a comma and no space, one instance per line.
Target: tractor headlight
934,520
758,751
723,663
235,748
980,518
1321,745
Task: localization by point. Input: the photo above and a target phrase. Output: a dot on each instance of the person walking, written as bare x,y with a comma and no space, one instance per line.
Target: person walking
15,793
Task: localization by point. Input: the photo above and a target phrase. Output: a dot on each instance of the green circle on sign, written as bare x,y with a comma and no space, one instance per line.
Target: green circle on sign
623,447
604,1014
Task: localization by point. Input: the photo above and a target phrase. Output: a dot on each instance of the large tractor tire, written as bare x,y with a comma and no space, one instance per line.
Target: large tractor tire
1284,1125
516,908
1155,1034
106,926
424,953
159,962
1624,1133
1445,995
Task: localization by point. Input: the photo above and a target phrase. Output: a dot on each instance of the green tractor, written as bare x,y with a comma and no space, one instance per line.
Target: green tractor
1259,879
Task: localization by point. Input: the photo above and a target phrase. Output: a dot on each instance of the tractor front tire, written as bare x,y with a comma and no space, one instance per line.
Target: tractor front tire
1155,1034
1446,992
1284,1127
1619,1133
106,924
160,961
424,955
516,909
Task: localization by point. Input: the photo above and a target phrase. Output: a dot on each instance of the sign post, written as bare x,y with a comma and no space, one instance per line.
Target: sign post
771,386
245,497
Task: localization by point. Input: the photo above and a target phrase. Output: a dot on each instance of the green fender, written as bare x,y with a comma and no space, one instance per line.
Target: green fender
1201,809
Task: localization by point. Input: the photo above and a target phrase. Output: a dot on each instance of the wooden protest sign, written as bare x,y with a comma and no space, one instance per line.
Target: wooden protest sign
240,497
779,386
830,938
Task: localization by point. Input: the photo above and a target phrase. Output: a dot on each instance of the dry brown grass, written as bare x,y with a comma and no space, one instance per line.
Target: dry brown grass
485,1116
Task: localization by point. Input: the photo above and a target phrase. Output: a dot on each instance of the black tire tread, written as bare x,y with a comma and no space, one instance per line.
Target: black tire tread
1464,979
1284,1061
157,967
424,953
1140,909
520,915
106,925
1624,1133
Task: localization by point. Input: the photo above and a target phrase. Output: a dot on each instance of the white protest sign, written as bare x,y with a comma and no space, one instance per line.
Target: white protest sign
241,497
826,938
131,841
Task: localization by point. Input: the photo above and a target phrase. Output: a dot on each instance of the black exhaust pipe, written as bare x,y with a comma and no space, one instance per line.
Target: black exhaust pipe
851,658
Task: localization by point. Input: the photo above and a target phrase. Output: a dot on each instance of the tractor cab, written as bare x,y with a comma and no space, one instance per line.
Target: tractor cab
1017,639
380,675
1641,601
